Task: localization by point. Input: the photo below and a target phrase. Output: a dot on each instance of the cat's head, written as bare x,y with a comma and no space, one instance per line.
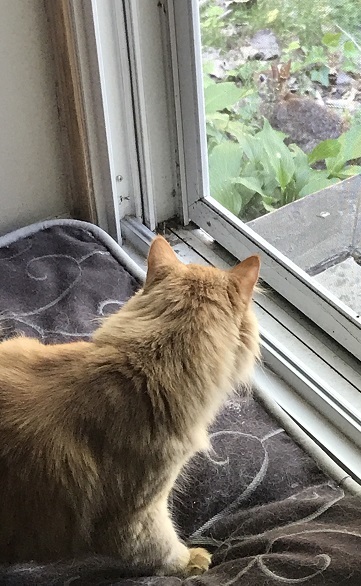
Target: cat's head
189,311
236,285
215,298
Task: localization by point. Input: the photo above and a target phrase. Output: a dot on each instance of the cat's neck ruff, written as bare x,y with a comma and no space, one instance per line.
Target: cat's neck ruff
184,344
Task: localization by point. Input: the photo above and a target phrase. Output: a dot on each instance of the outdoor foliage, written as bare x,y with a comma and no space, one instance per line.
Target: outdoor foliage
252,170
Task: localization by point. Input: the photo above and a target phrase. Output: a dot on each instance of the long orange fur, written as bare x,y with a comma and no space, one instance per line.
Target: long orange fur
94,434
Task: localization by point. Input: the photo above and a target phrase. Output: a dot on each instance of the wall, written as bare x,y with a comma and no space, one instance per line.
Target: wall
33,184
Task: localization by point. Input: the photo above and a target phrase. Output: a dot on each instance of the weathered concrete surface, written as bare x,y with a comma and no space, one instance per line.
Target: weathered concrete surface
321,234
344,281
316,229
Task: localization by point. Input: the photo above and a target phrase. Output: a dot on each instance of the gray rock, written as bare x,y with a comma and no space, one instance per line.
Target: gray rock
266,45
343,79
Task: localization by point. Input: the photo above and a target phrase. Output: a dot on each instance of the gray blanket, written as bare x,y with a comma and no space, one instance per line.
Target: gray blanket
258,502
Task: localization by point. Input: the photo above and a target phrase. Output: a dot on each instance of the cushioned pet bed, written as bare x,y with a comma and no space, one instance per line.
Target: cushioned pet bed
257,501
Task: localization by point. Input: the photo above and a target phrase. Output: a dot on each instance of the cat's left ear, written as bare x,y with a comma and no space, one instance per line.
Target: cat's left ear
247,273
160,258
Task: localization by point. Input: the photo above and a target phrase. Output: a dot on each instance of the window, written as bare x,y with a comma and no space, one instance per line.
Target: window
159,147
310,249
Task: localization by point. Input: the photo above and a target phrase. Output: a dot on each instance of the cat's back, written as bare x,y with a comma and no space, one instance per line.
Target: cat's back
26,363
18,345
38,503
17,356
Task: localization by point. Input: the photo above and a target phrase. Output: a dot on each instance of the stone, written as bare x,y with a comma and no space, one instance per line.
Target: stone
266,45
343,281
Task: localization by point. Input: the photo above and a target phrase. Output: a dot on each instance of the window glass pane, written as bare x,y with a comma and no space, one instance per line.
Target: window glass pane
282,95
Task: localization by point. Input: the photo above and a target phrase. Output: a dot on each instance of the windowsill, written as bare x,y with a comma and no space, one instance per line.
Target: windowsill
300,362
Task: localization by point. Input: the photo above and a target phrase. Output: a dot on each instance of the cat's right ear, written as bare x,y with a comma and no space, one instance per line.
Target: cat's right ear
160,258
247,273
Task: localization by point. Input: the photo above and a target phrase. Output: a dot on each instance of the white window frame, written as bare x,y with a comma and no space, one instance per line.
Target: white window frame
127,90
284,276
104,86
152,171
161,180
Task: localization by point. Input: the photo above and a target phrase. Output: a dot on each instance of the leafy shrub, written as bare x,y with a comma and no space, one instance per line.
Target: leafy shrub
303,21
253,171
317,36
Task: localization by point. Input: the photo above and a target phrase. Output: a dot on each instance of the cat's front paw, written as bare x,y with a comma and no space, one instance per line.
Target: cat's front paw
199,561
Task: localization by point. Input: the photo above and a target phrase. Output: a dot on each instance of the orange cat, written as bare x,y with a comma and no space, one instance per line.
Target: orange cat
94,434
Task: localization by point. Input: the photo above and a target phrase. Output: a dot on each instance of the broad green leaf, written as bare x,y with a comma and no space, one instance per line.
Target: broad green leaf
293,46
321,75
218,120
246,197
350,49
279,157
214,137
224,166
291,193
232,201
349,171
207,81
247,194
251,183
268,207
253,149
271,186
208,68
219,96
238,131
300,158
249,169
334,164
303,175
325,149
316,184
351,144
350,150
271,201
331,40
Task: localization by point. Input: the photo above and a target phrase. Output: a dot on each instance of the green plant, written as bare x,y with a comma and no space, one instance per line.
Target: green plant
299,27
305,21
261,173
222,119
340,155
253,172
212,25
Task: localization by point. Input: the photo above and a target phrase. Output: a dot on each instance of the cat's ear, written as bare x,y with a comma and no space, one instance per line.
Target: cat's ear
247,273
160,257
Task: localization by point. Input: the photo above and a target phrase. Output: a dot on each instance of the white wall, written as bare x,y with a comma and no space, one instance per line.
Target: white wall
32,181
